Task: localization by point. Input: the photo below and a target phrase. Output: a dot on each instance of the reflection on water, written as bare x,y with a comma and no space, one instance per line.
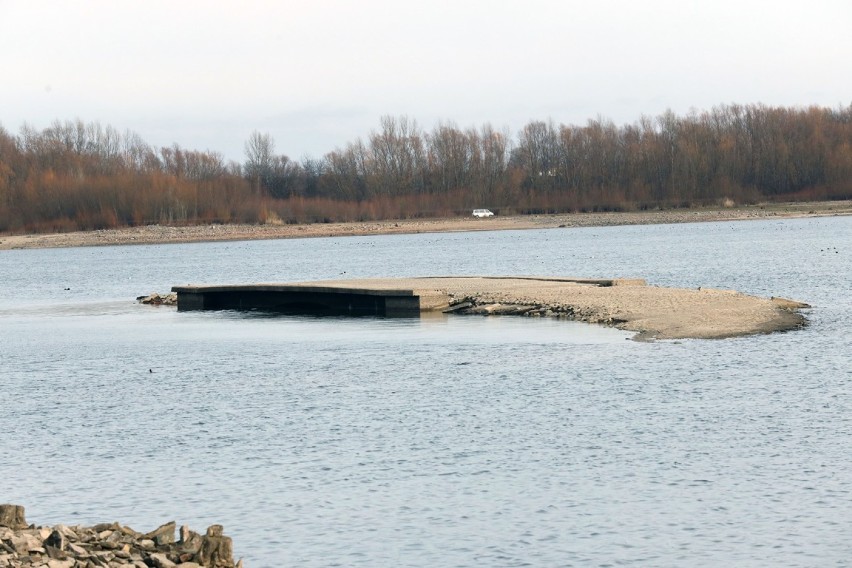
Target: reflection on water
443,440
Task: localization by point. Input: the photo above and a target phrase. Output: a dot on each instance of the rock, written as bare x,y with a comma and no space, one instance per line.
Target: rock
130,532
23,543
12,516
457,307
55,553
77,550
161,561
216,551
147,544
190,542
164,534
155,299
110,545
103,555
68,533
55,540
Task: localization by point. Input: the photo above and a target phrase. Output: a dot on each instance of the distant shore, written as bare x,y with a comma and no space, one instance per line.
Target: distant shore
160,234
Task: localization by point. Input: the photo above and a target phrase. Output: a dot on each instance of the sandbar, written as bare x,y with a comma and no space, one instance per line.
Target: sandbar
651,312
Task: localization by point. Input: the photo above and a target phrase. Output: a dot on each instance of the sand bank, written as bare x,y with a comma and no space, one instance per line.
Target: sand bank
651,312
158,234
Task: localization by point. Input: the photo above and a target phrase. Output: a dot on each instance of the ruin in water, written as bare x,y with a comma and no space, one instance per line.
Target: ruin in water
629,304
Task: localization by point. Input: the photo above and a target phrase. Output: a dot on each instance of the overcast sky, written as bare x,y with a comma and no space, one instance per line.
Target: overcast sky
317,74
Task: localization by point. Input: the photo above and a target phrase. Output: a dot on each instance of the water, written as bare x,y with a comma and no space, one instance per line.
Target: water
443,441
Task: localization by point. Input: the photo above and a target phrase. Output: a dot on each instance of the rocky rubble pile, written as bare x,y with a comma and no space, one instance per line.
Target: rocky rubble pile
108,545
487,307
155,299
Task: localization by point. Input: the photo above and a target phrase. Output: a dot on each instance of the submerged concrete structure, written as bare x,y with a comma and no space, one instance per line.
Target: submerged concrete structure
300,299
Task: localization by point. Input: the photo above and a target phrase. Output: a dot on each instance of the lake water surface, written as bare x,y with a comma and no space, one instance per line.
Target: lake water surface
441,441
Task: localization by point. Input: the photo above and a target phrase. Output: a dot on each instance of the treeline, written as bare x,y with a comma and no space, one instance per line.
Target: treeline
74,175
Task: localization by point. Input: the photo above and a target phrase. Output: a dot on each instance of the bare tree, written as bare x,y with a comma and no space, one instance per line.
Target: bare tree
260,157
398,159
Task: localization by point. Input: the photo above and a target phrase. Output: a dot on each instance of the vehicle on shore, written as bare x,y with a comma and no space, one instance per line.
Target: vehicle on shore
482,213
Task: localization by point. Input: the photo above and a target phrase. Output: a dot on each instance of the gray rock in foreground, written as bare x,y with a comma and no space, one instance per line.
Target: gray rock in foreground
109,545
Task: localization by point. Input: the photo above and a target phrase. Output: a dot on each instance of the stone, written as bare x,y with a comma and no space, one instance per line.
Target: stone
56,553
155,299
164,534
55,540
216,551
77,550
191,543
160,560
129,532
103,555
23,543
114,540
67,532
110,545
12,516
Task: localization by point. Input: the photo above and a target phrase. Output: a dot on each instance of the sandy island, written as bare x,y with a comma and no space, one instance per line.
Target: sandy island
629,304
159,234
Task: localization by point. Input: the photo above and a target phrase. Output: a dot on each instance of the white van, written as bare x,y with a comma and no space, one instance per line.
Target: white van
482,213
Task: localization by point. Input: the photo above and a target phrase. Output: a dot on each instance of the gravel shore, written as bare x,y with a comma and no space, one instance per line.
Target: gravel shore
159,234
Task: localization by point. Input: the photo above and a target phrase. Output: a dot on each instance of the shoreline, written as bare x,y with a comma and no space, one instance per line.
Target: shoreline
159,234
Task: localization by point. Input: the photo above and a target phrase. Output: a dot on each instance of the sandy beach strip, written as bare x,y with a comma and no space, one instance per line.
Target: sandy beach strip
161,234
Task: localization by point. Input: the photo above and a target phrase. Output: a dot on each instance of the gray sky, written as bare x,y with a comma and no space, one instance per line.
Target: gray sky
317,74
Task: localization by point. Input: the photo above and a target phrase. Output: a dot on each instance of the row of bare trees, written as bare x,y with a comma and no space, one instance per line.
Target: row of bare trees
736,152
746,152
400,159
75,175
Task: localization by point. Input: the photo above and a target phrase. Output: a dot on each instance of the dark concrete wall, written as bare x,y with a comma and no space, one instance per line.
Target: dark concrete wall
301,302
